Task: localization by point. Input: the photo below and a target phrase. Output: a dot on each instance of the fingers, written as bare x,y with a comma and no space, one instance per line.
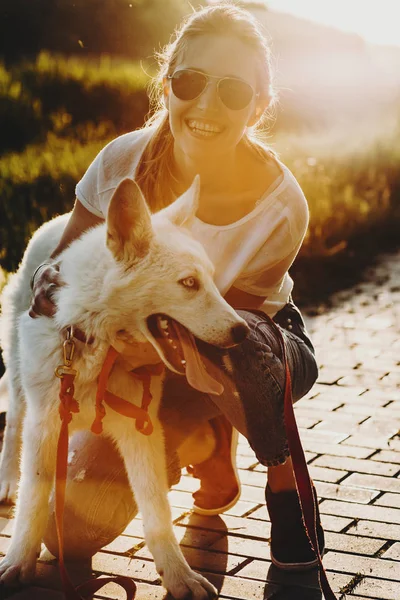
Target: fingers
46,283
42,306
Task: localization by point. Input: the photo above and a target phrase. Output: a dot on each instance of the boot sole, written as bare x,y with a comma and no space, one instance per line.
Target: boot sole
210,512
303,566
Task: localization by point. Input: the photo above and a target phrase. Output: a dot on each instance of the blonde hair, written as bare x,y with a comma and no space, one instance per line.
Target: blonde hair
154,173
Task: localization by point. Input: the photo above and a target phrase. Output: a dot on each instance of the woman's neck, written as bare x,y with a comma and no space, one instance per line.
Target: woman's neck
216,174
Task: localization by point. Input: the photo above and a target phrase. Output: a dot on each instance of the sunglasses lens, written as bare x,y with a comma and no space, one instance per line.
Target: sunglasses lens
234,93
188,85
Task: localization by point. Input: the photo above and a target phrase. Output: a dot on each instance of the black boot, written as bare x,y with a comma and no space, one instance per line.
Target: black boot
290,547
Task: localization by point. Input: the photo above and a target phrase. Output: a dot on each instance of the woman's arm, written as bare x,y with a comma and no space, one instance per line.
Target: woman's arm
47,277
81,219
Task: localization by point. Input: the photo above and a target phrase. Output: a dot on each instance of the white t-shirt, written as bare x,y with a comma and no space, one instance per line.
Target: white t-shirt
252,254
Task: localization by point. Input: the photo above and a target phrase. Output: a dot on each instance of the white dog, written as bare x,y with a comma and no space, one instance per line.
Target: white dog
136,278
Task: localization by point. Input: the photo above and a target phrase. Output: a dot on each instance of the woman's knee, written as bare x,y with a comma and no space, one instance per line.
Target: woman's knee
99,503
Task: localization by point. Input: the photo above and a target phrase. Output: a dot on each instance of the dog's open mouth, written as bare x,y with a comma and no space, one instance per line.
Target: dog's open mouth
179,349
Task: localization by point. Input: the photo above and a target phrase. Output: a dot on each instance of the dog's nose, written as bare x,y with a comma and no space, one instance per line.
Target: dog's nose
239,332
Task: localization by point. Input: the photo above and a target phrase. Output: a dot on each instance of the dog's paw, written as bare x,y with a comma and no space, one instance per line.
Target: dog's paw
8,490
190,585
14,571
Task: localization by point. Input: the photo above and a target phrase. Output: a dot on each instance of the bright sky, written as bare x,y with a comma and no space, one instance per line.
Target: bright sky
378,21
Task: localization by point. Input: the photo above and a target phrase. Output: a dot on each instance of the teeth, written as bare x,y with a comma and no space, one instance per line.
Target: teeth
201,126
183,362
163,323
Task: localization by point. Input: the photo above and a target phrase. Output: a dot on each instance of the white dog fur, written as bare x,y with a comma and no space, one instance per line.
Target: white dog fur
116,275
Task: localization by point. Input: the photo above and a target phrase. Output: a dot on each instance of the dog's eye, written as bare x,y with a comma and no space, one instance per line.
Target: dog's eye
190,282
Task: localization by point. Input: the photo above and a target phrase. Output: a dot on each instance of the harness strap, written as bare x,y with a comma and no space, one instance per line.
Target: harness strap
111,357
69,405
300,468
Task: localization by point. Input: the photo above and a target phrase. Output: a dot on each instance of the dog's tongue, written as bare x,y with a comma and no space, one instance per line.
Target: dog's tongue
196,373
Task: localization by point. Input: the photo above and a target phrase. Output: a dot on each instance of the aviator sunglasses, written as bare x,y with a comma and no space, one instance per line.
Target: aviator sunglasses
188,84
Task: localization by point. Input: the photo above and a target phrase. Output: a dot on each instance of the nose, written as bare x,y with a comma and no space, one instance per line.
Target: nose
239,332
209,97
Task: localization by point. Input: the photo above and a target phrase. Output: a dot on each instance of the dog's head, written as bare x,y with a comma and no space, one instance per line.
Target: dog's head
165,293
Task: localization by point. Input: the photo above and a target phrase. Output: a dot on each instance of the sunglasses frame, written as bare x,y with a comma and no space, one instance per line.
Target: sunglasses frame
208,82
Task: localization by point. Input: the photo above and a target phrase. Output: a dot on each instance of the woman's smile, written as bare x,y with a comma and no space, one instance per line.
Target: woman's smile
203,129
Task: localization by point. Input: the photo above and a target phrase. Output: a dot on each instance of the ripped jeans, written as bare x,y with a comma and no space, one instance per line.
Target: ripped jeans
253,376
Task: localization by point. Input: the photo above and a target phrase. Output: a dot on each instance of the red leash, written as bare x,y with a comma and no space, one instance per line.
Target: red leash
69,405
300,468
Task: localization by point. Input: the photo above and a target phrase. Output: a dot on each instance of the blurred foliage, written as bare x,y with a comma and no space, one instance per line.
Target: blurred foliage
128,28
62,94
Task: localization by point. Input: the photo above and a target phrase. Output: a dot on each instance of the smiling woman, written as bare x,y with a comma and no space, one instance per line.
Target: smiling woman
214,87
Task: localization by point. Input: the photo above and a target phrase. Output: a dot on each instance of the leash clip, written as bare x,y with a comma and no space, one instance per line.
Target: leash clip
68,352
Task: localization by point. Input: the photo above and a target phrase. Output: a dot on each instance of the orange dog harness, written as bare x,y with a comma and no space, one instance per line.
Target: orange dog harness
69,405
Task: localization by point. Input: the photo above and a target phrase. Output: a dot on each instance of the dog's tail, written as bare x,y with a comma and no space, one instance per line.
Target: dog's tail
4,393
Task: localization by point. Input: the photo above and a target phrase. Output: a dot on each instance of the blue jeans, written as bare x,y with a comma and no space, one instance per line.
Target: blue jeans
253,377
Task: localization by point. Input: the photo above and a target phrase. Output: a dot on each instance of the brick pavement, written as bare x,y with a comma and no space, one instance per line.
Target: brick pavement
349,424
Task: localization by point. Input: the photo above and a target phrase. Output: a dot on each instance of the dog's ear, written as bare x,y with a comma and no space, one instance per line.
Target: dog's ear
185,206
129,230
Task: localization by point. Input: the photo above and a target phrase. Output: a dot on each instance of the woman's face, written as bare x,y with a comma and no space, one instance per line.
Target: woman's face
204,127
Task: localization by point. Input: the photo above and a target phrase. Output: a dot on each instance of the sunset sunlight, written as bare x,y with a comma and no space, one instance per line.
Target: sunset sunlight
376,22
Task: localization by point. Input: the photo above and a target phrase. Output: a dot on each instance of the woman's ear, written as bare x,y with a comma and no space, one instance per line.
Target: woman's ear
166,90
256,115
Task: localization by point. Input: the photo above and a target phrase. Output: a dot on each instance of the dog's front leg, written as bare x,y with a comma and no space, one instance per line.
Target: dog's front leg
37,477
9,461
145,464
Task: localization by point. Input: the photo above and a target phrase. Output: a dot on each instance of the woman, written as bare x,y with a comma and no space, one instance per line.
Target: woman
215,85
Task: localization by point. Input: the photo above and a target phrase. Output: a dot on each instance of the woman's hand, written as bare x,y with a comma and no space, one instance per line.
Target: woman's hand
45,282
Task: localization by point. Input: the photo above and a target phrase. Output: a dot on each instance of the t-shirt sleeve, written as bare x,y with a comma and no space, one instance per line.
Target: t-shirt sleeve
115,162
87,189
264,275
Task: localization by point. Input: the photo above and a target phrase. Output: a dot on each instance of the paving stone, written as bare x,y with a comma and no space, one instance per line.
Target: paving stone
254,494
143,570
351,563
383,530
393,553
344,492
4,544
329,475
370,441
122,544
217,562
336,449
360,466
144,592
258,569
388,499
237,587
350,543
378,588
330,437
387,456
243,547
329,522
236,525
362,511
375,482
379,426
